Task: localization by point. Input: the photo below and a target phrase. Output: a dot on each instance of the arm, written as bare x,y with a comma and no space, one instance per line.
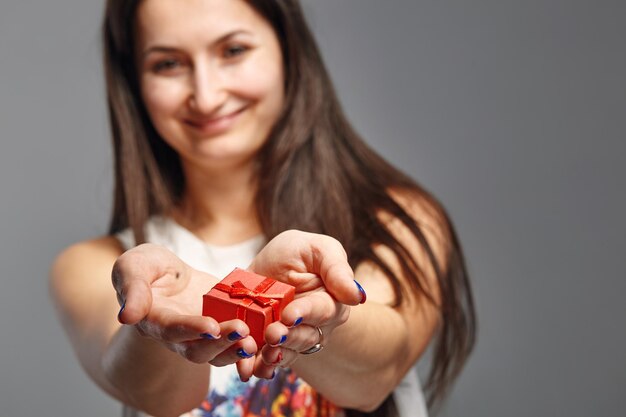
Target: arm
366,355
80,287
136,364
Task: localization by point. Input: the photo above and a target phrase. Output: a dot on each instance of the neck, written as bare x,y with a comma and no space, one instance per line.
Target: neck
219,207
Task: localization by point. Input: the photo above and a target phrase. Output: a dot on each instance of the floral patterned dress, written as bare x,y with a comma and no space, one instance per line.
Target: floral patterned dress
285,395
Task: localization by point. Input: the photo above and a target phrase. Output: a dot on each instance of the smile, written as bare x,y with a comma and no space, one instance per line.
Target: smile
215,125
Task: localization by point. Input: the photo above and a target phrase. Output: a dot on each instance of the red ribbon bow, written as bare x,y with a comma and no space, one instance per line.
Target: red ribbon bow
257,295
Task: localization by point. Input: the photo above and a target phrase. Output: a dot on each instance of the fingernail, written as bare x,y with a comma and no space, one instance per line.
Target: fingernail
234,336
243,354
363,295
208,336
297,322
273,374
282,340
121,311
278,358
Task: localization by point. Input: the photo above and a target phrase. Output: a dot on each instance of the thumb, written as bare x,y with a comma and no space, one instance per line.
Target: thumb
136,302
133,274
330,261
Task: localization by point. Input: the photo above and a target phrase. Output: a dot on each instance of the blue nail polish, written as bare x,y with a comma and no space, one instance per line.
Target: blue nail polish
243,354
363,295
121,310
234,336
208,336
297,322
282,340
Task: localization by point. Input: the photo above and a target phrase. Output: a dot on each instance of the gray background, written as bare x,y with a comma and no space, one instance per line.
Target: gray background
512,112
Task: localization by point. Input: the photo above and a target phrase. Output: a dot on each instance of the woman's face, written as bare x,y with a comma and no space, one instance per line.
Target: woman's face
211,76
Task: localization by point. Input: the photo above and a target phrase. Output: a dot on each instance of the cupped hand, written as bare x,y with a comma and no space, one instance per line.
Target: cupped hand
162,297
309,261
285,342
317,266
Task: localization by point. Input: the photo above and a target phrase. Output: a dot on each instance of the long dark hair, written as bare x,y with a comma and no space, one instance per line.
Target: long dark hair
315,174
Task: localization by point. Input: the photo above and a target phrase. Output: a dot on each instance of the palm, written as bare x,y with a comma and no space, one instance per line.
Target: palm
286,261
156,285
182,295
308,262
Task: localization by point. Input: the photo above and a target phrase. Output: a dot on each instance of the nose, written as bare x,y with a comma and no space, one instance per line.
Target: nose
208,92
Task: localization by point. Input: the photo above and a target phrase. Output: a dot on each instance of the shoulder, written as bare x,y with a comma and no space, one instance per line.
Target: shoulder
419,239
78,267
86,253
429,241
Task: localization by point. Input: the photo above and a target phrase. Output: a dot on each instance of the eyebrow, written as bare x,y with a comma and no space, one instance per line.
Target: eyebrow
170,49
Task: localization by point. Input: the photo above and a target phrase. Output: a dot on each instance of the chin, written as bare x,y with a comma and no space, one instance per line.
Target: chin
225,159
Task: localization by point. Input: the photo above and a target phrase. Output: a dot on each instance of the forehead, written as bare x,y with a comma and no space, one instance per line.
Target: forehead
195,21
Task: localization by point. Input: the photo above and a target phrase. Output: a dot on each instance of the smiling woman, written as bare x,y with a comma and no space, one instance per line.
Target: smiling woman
228,136
211,78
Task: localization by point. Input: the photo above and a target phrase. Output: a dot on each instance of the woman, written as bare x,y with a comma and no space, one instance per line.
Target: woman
227,132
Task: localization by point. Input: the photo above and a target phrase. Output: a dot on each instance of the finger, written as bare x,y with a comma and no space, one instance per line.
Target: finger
263,370
206,347
243,349
302,338
276,334
175,328
316,309
229,333
245,368
207,350
330,261
136,301
197,351
234,344
233,330
272,358
288,358
297,338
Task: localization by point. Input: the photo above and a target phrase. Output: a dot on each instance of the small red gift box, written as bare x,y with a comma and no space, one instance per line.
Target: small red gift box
255,299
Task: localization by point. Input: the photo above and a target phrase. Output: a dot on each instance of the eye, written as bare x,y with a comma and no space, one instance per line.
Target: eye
234,50
168,65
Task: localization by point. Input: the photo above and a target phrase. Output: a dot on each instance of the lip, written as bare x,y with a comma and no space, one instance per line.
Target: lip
215,125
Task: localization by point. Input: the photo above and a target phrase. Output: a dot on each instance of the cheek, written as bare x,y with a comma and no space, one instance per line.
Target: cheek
161,98
162,101
264,83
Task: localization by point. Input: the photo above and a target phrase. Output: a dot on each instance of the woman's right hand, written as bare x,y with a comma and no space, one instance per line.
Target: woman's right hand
160,296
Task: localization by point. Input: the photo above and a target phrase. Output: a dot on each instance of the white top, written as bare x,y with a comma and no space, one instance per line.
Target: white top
228,396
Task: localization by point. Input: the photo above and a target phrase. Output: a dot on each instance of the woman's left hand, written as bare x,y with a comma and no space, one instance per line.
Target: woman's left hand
298,330
317,266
